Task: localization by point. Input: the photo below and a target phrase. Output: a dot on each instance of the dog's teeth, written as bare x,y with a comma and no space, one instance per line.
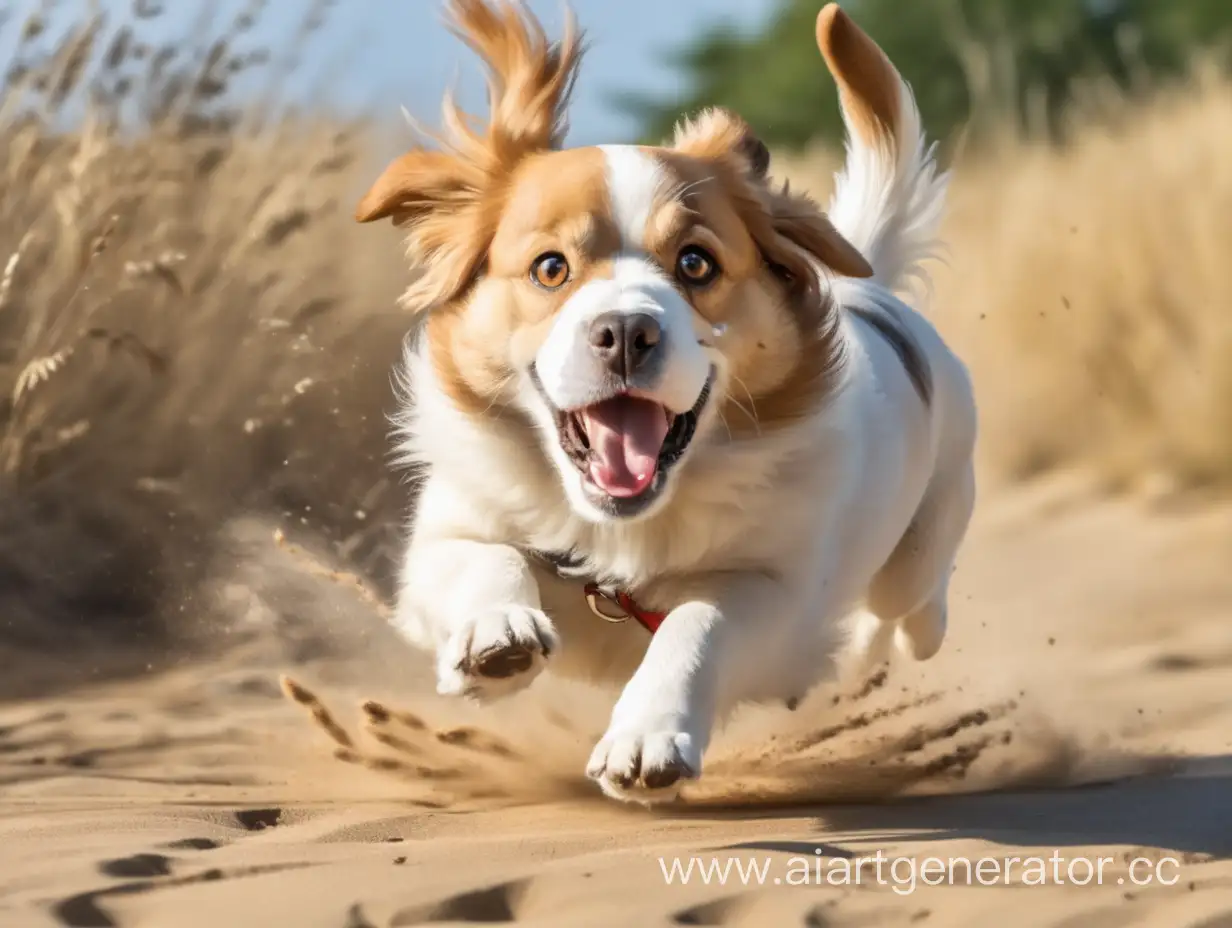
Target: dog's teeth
719,329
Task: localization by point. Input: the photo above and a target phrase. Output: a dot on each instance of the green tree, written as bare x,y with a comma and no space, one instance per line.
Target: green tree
972,63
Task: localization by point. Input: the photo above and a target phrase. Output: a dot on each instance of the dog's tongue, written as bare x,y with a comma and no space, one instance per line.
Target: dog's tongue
626,435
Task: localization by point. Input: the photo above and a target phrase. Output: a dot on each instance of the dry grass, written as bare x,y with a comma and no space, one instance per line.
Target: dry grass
184,333
1084,288
1106,335
192,328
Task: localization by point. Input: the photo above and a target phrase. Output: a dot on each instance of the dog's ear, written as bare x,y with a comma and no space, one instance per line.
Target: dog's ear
719,135
801,226
414,186
439,199
445,199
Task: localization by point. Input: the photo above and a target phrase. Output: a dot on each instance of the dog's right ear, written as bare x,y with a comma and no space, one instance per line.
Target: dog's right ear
414,186
444,198
438,199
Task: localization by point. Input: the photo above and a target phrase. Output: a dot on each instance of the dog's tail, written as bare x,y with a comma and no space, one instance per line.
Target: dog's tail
889,197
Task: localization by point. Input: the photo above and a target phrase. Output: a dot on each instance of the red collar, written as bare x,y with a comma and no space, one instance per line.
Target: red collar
619,606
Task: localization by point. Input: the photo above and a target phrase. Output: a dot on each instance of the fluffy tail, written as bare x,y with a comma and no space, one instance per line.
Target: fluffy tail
888,199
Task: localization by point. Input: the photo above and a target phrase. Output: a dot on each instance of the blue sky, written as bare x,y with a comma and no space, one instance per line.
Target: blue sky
384,54
409,59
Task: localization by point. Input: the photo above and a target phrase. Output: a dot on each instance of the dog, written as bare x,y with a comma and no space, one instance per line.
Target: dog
676,427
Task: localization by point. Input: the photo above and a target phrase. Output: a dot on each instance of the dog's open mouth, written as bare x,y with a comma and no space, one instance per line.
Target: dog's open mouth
624,445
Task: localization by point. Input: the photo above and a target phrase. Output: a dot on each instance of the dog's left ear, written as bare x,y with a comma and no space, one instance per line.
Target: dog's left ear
800,222
719,135
788,227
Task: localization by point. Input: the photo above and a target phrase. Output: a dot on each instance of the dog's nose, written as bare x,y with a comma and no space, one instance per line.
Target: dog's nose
625,342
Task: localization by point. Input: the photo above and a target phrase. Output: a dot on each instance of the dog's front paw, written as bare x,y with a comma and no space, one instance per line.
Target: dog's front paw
645,765
495,654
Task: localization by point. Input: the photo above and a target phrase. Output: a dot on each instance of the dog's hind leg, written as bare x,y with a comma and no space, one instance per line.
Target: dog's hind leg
912,589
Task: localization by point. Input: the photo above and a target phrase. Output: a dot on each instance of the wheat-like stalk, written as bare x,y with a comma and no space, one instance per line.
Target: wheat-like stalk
10,269
39,371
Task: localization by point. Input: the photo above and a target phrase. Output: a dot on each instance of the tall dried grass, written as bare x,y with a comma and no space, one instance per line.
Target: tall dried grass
191,328
1087,287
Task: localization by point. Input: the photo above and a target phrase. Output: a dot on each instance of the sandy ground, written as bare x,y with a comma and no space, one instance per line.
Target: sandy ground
1078,721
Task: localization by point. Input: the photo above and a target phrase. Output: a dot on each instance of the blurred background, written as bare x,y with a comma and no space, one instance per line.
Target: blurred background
194,333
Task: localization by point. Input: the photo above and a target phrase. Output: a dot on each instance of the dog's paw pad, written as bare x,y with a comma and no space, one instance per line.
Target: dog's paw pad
504,661
644,767
496,654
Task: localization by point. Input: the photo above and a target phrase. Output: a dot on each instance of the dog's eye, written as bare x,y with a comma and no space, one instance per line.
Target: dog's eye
696,267
550,271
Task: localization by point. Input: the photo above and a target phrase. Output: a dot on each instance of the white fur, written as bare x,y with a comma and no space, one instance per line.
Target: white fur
766,547
633,179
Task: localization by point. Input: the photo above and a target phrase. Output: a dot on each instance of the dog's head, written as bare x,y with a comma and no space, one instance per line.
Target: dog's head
632,302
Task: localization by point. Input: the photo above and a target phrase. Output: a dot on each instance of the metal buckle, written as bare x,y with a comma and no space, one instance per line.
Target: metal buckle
594,596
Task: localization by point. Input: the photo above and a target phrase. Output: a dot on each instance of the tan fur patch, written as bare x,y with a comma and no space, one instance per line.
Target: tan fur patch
716,134
530,79
812,365
463,371
554,202
557,201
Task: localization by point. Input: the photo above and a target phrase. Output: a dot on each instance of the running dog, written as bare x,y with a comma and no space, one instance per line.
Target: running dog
677,427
